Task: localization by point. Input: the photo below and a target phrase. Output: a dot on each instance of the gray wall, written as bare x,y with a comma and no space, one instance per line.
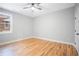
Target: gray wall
58,25
22,27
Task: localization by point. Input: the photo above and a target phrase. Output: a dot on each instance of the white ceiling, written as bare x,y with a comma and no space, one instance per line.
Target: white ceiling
47,8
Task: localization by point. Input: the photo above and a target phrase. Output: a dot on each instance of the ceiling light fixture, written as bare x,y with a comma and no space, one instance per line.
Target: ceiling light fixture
33,6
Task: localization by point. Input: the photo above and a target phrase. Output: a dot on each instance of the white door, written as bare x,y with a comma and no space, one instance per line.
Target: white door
77,27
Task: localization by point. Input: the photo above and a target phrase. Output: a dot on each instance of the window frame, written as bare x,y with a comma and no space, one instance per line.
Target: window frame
11,23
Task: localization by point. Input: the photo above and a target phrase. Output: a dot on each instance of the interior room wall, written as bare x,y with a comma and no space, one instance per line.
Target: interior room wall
57,25
22,27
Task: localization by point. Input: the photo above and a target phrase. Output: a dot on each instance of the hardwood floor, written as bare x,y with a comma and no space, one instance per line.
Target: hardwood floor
37,47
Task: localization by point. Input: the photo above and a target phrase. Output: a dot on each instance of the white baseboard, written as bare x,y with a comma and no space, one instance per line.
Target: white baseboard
4,43
53,40
38,38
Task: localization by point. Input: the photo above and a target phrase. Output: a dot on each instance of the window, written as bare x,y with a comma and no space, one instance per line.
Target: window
5,23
